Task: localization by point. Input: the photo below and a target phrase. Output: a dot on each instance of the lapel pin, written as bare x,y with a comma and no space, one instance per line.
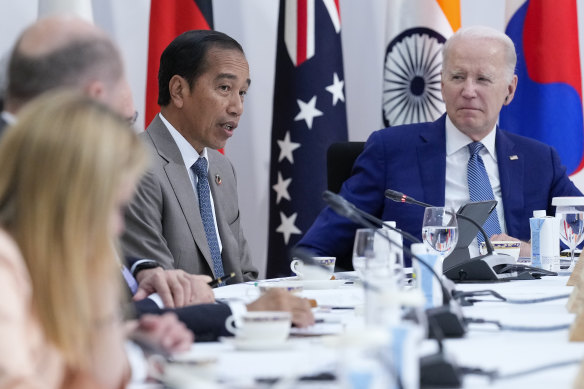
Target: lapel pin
513,157
218,179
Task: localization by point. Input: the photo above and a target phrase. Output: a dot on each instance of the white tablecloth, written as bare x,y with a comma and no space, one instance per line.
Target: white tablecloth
483,346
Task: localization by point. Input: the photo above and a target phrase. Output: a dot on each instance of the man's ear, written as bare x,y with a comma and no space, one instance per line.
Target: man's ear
511,88
178,89
95,89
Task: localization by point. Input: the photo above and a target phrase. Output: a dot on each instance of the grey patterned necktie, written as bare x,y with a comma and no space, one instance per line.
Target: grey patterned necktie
479,188
200,170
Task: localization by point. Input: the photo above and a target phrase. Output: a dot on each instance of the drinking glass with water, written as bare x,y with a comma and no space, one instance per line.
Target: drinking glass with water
440,230
571,232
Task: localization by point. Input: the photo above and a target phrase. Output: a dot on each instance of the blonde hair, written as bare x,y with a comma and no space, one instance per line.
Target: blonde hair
61,167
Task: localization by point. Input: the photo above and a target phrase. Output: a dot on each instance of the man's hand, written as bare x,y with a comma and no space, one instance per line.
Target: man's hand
163,331
524,249
176,288
281,300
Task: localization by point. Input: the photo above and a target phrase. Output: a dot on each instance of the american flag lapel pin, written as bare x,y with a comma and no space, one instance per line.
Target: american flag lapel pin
218,179
513,157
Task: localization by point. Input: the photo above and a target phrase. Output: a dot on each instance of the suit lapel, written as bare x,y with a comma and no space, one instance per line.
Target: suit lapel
432,161
510,162
181,184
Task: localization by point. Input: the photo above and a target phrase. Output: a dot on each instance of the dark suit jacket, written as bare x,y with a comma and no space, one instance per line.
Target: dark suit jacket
163,221
207,321
412,159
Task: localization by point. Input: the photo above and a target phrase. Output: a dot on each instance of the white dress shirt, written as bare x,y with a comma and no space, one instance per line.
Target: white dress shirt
457,155
8,117
190,156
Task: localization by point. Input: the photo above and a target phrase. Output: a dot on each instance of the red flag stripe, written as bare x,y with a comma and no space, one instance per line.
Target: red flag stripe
302,19
168,19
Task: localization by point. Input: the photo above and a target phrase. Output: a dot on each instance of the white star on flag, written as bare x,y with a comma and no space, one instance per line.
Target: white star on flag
281,188
287,147
336,89
287,227
308,111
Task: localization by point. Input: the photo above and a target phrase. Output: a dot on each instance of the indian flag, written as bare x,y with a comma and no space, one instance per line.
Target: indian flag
416,32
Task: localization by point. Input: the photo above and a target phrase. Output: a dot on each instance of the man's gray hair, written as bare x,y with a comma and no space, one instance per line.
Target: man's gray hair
489,33
80,61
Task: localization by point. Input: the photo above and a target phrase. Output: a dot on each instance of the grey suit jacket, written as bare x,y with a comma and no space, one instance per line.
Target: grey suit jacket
163,221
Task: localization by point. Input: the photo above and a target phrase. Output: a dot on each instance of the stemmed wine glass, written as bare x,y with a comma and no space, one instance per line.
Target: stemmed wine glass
370,253
572,232
440,230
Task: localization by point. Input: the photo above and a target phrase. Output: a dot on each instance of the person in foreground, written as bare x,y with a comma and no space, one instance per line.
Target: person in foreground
67,168
186,214
436,162
40,62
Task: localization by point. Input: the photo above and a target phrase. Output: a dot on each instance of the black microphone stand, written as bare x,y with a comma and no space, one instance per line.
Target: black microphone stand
488,267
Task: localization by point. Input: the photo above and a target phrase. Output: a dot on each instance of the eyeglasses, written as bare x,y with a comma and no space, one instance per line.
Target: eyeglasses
132,119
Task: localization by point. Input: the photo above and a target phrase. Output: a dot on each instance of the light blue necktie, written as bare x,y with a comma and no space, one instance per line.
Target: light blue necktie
200,169
479,188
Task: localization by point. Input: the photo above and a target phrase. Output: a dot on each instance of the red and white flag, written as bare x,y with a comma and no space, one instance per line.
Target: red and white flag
168,19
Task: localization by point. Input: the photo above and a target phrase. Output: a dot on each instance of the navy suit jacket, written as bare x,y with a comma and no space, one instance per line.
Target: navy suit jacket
412,159
207,321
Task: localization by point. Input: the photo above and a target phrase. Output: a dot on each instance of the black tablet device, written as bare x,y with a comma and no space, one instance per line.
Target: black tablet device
479,212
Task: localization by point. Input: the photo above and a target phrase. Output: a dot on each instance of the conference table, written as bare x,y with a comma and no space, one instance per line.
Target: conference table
321,351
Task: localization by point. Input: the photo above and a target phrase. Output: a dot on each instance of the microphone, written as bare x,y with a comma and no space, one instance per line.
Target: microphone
488,267
344,208
448,316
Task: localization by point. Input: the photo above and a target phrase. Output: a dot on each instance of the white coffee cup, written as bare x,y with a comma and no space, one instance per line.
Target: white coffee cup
322,271
261,326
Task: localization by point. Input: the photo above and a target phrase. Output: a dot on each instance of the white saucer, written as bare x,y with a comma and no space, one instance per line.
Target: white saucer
321,284
255,345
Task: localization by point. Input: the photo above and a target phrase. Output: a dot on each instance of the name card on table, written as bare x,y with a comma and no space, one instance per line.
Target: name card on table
576,276
577,329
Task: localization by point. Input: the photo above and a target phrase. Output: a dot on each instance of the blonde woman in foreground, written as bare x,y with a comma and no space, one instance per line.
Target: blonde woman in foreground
67,168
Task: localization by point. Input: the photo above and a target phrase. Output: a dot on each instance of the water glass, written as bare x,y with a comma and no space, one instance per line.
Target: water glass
375,263
371,253
571,232
440,230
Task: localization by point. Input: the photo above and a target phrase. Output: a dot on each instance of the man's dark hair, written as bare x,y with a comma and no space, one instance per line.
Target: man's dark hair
186,56
72,65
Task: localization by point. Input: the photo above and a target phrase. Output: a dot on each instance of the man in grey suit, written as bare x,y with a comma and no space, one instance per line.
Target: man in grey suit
40,62
183,216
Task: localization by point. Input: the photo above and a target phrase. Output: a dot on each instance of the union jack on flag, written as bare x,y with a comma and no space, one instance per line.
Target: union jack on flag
308,116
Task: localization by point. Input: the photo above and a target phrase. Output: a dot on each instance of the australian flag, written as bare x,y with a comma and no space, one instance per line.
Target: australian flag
309,115
548,102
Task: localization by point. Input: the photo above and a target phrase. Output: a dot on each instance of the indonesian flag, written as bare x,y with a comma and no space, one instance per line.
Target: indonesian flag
169,19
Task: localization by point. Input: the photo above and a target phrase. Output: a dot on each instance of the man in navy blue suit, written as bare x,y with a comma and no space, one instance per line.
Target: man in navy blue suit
428,161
